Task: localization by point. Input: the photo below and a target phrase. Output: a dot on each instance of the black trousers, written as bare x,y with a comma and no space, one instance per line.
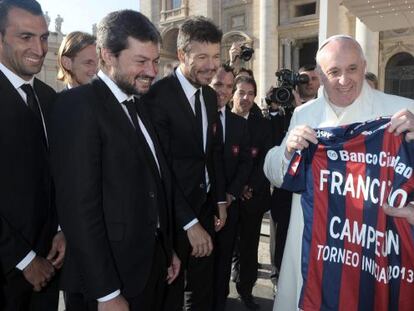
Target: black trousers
193,288
18,294
224,243
149,300
251,215
279,225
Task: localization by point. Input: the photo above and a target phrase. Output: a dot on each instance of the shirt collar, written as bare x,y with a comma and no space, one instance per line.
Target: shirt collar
188,88
14,79
223,110
118,93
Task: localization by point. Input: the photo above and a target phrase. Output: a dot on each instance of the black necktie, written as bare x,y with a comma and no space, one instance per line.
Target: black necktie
31,100
133,113
33,104
199,117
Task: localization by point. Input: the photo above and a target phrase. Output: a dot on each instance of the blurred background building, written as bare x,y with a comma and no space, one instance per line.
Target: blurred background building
286,33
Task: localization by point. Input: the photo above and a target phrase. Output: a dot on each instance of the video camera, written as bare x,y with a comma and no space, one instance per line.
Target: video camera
283,94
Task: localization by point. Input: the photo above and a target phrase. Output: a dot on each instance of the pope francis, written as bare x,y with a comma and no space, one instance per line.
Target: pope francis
345,98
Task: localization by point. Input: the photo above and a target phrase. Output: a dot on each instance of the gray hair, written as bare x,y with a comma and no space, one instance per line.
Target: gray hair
338,38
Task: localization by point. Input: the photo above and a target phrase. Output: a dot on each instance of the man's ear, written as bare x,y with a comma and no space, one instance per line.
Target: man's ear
67,63
181,55
107,56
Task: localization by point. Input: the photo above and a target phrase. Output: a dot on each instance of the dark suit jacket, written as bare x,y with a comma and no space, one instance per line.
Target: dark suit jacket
109,193
282,199
237,160
260,143
27,212
175,123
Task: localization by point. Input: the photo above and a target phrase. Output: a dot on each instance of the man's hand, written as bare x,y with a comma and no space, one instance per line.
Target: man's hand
39,272
174,269
200,241
299,139
403,212
221,221
116,304
229,199
403,121
57,251
234,54
247,193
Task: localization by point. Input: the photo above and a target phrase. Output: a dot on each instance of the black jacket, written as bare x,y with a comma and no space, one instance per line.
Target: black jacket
109,193
27,213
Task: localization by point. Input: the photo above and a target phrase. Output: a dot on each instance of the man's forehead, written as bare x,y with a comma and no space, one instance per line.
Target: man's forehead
201,46
25,21
244,86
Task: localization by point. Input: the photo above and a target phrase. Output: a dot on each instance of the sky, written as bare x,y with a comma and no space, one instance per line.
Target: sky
81,14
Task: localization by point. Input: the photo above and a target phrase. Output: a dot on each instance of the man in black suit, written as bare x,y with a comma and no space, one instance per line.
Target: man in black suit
184,110
30,247
256,193
237,164
113,187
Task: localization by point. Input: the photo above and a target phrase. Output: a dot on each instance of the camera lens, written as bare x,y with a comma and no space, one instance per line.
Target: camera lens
283,95
246,53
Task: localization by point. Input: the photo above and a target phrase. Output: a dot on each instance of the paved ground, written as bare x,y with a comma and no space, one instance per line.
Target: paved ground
263,288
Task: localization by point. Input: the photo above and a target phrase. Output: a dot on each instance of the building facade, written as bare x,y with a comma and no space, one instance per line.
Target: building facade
286,33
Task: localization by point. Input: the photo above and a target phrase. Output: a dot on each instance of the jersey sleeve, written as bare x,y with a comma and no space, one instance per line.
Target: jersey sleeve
295,177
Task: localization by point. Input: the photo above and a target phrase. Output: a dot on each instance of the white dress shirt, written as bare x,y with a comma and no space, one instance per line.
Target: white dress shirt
222,113
190,91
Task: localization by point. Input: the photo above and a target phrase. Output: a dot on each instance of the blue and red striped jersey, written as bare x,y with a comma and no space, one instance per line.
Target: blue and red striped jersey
354,257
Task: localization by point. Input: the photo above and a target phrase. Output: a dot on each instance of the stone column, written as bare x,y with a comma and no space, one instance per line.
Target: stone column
295,56
287,52
328,18
369,41
268,50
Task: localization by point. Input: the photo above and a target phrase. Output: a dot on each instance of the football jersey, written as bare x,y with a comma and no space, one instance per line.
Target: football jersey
354,257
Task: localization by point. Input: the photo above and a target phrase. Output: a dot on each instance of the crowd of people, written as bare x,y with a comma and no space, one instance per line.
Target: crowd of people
132,192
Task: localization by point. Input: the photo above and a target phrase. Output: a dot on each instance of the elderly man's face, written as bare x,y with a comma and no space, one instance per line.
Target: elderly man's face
342,71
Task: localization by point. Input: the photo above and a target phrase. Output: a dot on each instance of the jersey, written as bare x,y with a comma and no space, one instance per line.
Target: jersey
354,257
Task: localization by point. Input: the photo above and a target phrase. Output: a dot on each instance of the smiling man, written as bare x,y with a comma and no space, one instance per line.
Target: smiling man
28,221
184,110
113,187
347,98
77,59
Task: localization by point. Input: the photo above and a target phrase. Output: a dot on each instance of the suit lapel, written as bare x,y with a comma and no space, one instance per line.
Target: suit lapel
115,111
185,107
12,96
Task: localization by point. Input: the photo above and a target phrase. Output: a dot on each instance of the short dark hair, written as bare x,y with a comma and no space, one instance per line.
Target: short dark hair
115,28
71,45
307,67
200,29
31,6
245,79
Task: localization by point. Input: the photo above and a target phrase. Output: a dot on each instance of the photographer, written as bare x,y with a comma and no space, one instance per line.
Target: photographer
239,51
308,91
